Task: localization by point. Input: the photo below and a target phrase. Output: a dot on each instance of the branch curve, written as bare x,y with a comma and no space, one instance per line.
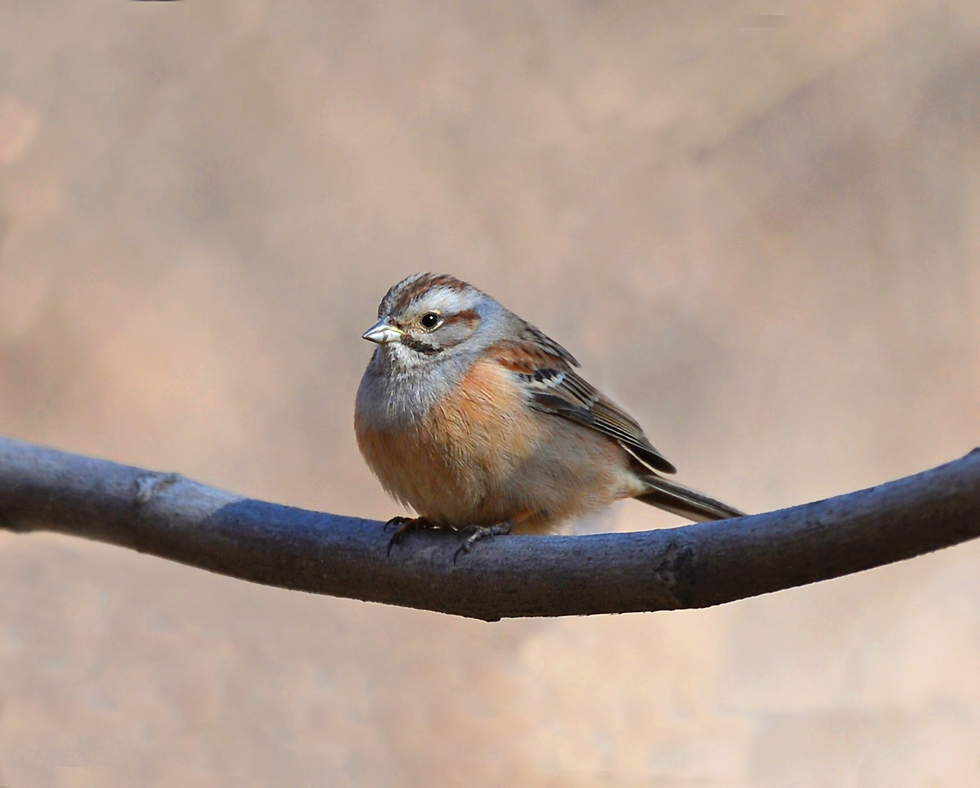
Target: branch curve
167,515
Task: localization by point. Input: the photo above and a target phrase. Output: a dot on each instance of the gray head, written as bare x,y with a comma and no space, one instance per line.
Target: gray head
429,316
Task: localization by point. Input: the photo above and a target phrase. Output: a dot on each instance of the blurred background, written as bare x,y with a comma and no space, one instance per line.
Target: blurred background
757,225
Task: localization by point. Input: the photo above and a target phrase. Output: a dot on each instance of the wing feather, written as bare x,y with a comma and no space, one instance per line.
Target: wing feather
546,369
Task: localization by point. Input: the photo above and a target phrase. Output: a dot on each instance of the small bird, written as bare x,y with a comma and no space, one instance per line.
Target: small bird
479,421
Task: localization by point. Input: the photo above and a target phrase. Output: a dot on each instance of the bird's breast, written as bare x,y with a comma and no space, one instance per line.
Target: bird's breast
461,451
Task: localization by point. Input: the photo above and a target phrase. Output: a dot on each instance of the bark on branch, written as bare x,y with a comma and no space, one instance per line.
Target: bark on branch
692,566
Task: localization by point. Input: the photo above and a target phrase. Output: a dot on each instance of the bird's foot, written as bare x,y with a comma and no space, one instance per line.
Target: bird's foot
404,525
474,533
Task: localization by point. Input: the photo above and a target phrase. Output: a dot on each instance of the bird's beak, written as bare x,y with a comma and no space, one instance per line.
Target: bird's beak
383,332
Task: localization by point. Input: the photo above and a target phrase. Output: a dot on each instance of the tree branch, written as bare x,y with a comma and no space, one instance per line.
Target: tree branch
688,567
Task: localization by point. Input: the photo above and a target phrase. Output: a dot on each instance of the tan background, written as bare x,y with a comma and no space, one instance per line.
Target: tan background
757,224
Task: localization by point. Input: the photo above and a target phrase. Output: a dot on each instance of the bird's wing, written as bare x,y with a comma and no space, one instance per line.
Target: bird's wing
545,368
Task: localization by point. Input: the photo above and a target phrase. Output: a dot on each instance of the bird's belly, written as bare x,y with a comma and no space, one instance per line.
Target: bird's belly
456,464
415,471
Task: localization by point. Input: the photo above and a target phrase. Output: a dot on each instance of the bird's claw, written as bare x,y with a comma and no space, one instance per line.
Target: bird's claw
475,533
402,526
396,522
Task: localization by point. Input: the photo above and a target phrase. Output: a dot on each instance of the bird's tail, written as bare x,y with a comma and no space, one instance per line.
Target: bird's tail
684,501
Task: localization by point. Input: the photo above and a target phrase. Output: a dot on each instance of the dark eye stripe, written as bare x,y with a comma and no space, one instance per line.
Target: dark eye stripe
466,316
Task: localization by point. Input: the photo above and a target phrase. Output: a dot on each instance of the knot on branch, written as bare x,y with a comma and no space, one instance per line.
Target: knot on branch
676,569
150,484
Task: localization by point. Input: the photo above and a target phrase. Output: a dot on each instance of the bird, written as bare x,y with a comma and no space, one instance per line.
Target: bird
482,424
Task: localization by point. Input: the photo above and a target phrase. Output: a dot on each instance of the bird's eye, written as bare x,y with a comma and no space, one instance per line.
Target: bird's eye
430,320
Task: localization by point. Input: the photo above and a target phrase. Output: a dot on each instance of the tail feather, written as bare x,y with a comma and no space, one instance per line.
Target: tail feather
684,501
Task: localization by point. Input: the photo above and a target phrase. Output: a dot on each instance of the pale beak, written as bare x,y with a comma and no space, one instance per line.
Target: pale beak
383,332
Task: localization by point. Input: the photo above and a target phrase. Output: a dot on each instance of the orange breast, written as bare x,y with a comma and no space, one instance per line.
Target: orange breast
455,466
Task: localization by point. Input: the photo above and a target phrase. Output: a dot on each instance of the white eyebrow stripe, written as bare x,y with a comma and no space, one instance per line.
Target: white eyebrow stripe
446,300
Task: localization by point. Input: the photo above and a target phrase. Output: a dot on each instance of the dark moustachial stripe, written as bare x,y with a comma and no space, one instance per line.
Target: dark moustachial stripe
419,347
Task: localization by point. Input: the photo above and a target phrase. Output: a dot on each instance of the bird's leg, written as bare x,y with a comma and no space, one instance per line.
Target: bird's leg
474,533
403,525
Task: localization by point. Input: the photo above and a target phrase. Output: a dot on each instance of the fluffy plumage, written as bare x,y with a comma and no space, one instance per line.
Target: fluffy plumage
472,416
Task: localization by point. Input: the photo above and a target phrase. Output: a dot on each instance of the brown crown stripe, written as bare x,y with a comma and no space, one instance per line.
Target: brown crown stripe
422,283
445,280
